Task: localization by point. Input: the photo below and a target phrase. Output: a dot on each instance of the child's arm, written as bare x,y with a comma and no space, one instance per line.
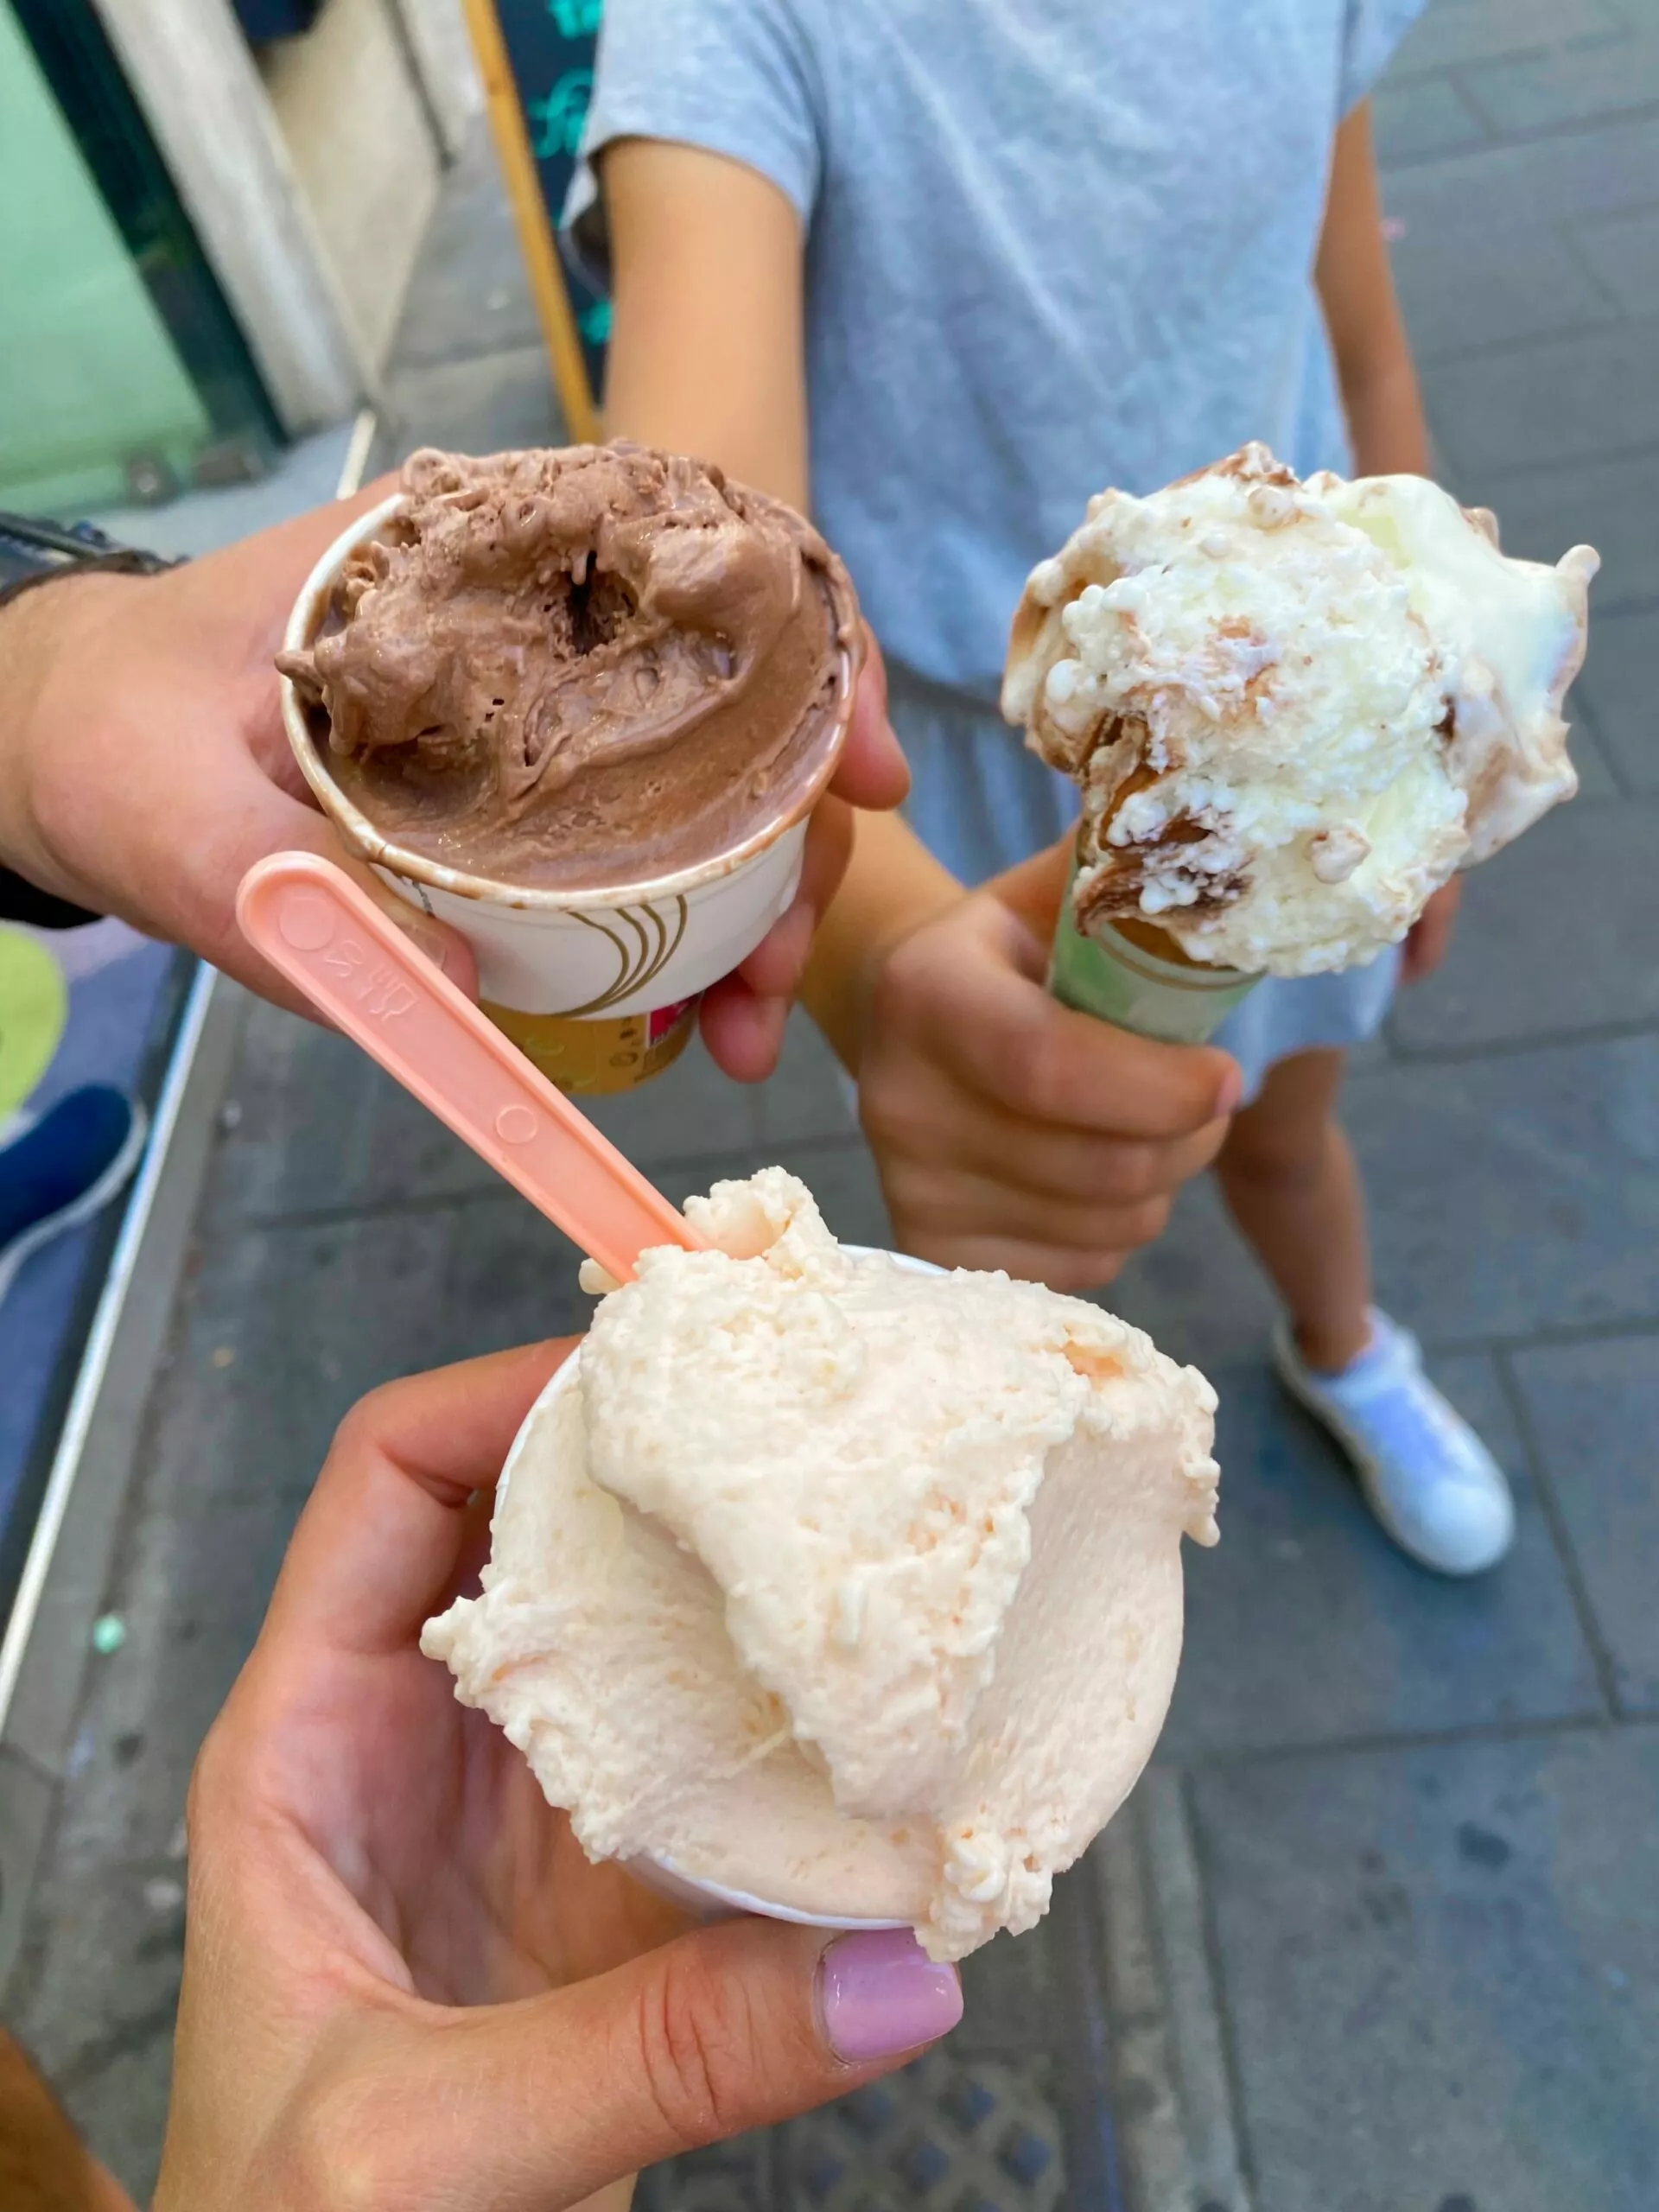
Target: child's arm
705,358
1379,393
705,353
1368,335
1008,1131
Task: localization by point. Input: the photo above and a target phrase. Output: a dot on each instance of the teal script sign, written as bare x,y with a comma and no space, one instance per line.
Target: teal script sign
550,47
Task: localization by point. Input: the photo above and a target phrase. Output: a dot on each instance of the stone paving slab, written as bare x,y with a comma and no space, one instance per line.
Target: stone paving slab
1595,1411
1607,504
1509,1192
1577,960
1455,33
1518,1192
367,1143
1441,1967
1363,1643
1492,407
1623,251
1618,681
1483,197
468,294
1196,1292
1542,92
1491,287
482,405
1413,121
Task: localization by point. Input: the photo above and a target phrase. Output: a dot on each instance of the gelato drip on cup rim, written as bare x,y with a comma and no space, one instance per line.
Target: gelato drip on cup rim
826,1581
1292,709
579,705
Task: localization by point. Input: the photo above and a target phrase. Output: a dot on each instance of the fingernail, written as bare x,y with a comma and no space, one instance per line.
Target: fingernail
433,943
879,1993
1232,1090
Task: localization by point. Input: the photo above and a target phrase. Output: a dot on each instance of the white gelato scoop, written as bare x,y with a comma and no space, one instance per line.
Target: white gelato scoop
1293,709
847,1587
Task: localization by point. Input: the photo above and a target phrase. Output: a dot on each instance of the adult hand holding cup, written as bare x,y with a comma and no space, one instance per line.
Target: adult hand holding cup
404,1983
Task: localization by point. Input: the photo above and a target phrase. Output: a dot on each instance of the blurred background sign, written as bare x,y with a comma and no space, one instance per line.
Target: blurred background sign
537,59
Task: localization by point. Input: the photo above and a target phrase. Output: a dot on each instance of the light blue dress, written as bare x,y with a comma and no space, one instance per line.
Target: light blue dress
1048,248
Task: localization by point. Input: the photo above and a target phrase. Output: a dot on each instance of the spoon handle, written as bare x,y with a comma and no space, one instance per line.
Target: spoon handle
352,961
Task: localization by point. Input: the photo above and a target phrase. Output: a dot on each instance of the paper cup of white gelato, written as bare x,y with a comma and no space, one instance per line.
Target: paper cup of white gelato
708,1899
829,1585
579,706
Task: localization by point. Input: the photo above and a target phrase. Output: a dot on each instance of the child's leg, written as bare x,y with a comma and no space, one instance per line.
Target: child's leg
1290,1184
1290,1180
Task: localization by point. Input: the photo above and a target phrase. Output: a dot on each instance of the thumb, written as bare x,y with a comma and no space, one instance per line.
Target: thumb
284,824
444,947
1035,889
731,2027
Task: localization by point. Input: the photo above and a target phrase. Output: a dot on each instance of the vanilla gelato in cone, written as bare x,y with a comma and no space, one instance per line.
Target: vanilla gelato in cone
840,1583
1292,709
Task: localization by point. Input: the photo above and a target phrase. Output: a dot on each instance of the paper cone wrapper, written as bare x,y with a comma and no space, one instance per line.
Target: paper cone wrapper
599,988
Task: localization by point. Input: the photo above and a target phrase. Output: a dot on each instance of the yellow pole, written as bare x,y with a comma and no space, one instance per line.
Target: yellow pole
535,227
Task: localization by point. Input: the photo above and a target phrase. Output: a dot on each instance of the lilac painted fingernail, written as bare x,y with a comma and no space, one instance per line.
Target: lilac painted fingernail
879,1992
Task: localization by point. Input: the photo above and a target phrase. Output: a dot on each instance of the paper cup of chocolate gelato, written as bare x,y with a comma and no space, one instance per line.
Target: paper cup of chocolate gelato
579,705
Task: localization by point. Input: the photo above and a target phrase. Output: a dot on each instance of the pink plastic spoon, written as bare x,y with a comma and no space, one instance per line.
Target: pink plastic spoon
332,942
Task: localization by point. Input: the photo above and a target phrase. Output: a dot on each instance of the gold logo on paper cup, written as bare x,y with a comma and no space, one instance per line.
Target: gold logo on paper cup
644,940
589,1058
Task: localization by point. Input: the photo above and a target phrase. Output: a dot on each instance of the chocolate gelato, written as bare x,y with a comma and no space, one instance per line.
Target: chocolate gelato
576,669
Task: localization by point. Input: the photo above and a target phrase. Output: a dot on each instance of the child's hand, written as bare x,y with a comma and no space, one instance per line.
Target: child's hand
1009,1131
1430,936
743,1014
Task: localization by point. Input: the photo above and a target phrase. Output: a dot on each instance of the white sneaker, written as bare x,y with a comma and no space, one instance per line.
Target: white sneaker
1426,1475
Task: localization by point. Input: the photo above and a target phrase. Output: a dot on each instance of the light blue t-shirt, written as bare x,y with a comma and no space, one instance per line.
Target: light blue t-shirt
1052,245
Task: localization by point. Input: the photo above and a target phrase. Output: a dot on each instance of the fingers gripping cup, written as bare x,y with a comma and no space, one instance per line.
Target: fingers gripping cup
578,705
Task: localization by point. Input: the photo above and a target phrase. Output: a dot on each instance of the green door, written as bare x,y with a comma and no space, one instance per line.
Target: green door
98,403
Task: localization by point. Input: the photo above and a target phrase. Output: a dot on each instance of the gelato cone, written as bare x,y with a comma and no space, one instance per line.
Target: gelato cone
841,1584
1292,709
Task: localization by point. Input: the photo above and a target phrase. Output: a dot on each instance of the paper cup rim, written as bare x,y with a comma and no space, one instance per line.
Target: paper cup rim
372,845
660,1871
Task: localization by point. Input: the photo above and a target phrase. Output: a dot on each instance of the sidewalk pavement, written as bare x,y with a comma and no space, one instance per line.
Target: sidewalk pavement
1379,1933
